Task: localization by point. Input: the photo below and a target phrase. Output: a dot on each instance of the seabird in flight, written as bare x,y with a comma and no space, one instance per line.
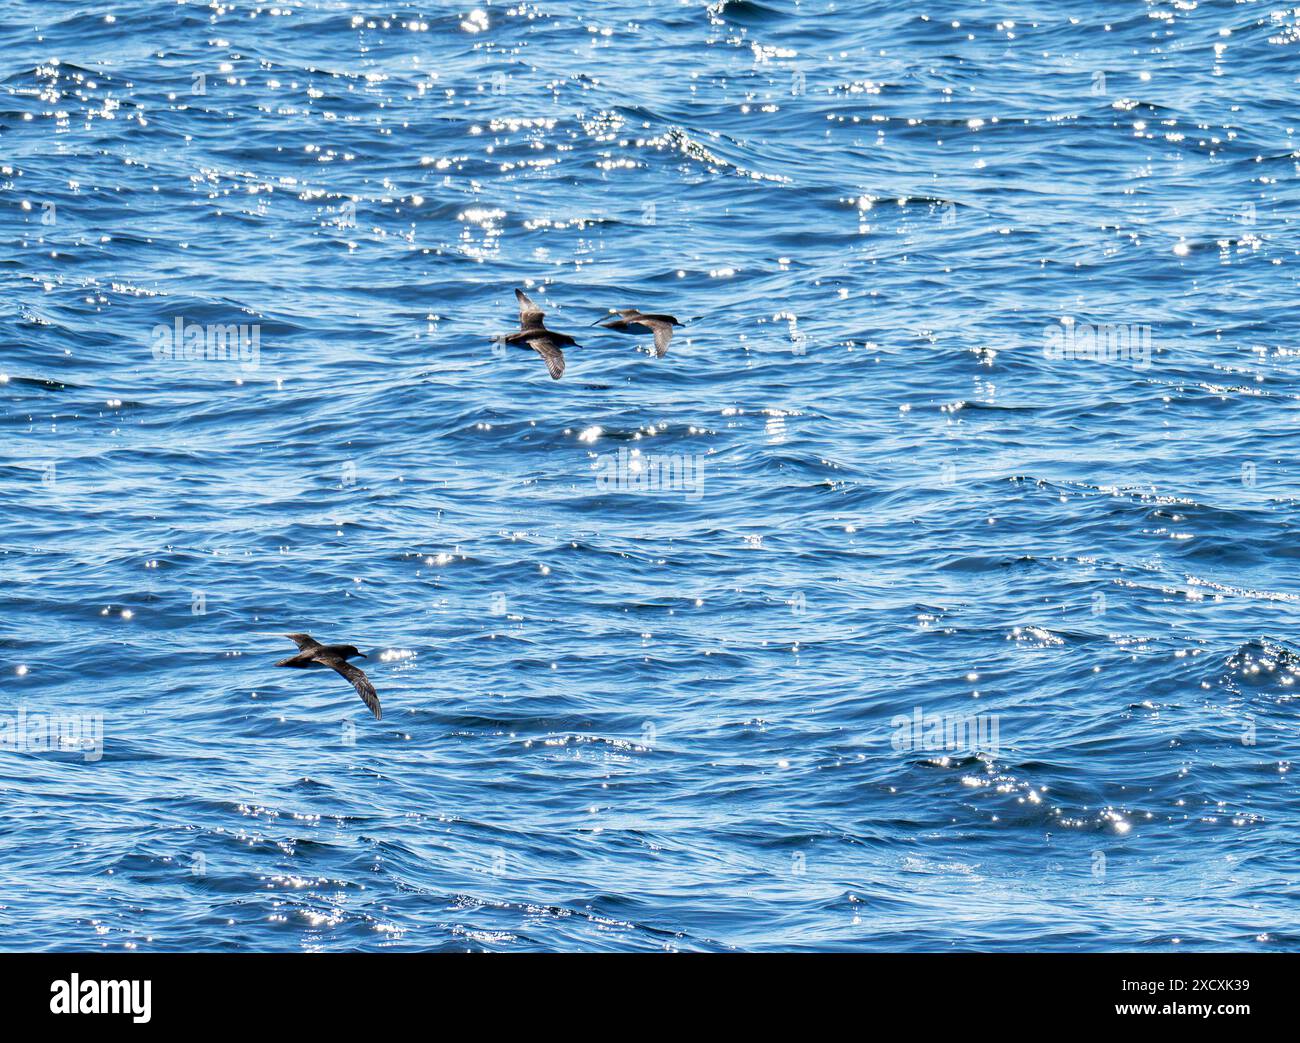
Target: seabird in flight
312,653
532,333
636,322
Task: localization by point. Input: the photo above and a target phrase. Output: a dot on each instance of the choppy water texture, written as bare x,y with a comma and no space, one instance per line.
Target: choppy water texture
670,718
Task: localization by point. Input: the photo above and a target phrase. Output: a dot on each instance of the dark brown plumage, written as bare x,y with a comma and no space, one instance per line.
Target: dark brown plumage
532,333
635,322
312,653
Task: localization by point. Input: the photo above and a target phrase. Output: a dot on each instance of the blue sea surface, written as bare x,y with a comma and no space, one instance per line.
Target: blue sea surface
938,590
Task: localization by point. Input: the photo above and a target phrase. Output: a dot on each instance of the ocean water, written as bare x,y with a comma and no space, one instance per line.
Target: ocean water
938,590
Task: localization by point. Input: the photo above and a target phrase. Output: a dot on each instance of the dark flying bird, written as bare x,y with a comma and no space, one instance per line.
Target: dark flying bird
312,653
532,333
635,322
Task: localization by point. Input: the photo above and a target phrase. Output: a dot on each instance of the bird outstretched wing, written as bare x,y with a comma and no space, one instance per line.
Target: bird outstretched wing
663,332
553,356
303,641
359,681
529,314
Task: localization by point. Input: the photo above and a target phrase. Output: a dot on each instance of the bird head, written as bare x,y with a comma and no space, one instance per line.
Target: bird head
352,652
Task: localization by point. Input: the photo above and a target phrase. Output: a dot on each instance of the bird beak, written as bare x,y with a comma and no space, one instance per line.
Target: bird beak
600,320
363,655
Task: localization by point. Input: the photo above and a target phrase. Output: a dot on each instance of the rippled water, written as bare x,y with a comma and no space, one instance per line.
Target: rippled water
905,492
